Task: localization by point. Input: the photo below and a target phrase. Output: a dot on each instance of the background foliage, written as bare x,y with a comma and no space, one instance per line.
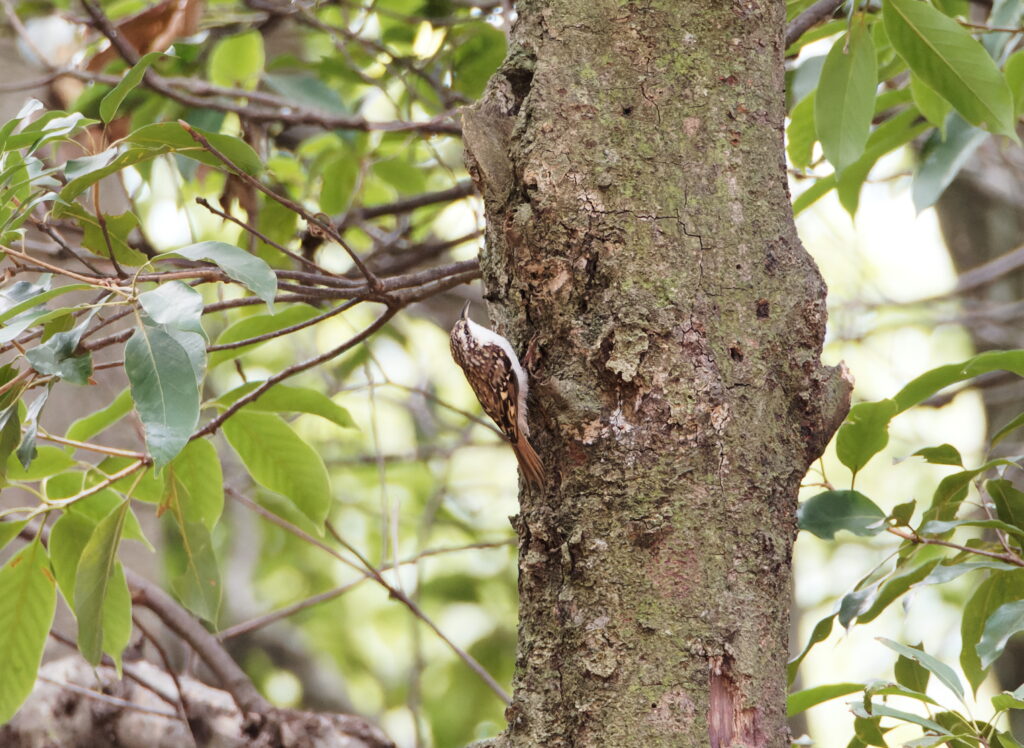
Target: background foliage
229,270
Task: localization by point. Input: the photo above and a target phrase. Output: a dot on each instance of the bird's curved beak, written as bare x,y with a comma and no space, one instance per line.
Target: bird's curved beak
465,310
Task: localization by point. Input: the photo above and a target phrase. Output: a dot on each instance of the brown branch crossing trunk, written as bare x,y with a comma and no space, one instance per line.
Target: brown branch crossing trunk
640,245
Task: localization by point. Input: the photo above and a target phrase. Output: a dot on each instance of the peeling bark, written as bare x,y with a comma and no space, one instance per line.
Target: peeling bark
640,242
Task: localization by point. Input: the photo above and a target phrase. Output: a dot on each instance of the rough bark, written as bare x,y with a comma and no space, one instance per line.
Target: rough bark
641,252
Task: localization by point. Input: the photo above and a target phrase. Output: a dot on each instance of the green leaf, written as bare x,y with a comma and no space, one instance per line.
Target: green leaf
10,437
947,58
1008,700
801,134
830,511
284,399
260,324
9,531
946,573
845,99
821,632
1008,429
901,513
89,426
117,616
110,103
194,483
237,61
280,461
801,701
93,582
28,599
163,137
175,304
939,669
894,587
67,540
942,159
864,433
881,710
238,264
197,583
1007,620
21,296
1000,588
479,49
165,391
868,729
27,450
890,135
57,355
95,239
911,673
1008,500
1014,72
48,461
944,454
933,107
939,527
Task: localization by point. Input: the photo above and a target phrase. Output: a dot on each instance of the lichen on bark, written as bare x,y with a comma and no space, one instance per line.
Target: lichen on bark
640,243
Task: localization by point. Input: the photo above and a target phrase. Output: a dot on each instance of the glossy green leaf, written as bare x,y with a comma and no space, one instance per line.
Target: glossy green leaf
1009,700
892,134
112,234
279,460
933,107
27,449
171,136
944,454
831,511
801,134
801,701
112,101
1014,72
946,573
197,583
946,57
21,296
911,673
10,437
238,264
175,304
96,569
1007,620
1008,429
237,61
284,399
195,483
256,325
28,599
9,531
864,433
939,669
844,103
89,426
57,355
821,632
1000,588
117,616
939,527
895,586
165,391
882,710
67,541
1008,500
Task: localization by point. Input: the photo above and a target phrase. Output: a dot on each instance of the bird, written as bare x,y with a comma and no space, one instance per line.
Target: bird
500,383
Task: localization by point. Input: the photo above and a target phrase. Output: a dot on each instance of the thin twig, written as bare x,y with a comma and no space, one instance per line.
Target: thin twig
396,593
811,17
112,700
913,537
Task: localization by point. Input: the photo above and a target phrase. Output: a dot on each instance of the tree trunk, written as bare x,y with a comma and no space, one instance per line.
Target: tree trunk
641,252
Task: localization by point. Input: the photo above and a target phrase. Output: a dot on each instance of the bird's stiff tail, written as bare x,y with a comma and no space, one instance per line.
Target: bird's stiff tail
529,462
